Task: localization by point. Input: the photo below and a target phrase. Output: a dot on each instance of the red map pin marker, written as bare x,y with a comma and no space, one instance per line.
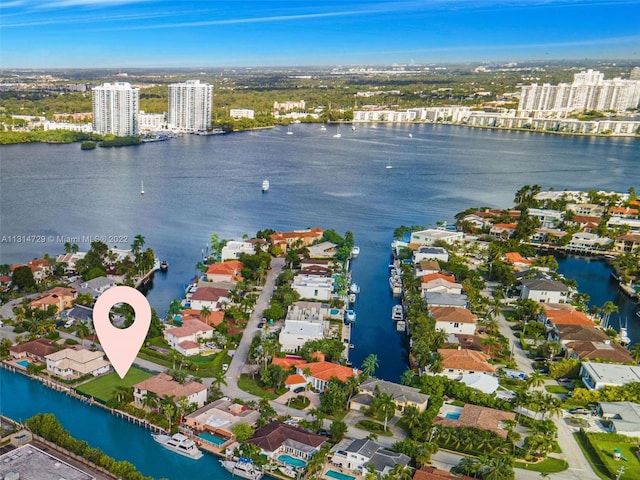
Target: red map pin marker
121,345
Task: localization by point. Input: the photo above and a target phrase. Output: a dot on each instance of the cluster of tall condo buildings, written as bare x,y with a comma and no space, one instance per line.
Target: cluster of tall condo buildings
589,91
116,108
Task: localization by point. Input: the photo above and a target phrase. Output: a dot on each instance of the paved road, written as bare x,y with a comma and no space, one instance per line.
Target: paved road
6,310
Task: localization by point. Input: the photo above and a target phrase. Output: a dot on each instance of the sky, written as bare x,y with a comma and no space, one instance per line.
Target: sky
163,33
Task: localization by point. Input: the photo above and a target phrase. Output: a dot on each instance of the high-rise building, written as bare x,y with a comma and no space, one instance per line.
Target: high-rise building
589,91
115,109
190,105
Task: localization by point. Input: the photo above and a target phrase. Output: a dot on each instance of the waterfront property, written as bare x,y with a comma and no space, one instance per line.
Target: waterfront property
305,321
432,235
76,362
361,454
456,363
275,439
320,373
597,375
220,416
35,350
454,320
431,473
474,416
163,384
543,290
185,338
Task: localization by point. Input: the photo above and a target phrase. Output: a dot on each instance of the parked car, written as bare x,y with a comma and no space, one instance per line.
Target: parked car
580,411
564,380
298,390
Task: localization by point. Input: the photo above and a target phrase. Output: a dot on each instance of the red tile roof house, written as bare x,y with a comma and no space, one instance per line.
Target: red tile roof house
163,384
277,438
454,320
479,417
461,361
322,372
228,271
185,338
35,349
503,230
432,473
61,297
212,298
284,240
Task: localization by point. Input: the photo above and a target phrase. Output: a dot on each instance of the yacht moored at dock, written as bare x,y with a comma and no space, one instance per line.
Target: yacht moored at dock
396,313
355,251
354,288
180,444
401,326
243,468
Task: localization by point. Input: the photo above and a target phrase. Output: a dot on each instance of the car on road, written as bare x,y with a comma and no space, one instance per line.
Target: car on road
261,324
580,411
564,380
225,367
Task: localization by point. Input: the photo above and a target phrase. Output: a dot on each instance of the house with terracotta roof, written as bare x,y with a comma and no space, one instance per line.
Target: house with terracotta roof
186,338
163,384
544,290
60,297
454,320
220,416
554,317
627,243
276,438
36,350
431,473
459,362
321,372
288,361
39,267
624,212
212,298
503,230
584,222
72,363
474,416
568,333
228,271
603,351
304,238
295,381
518,261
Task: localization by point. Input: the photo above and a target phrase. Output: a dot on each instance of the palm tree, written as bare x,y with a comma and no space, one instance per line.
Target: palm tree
67,247
138,243
75,248
535,380
498,468
123,394
411,416
635,351
205,313
607,309
407,377
150,400
437,364
370,364
401,472
383,404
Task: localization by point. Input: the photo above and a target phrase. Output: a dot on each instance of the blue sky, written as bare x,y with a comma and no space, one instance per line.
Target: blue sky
162,33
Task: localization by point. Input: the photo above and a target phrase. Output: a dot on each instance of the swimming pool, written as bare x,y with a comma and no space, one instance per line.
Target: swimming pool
292,461
23,363
211,438
452,415
338,475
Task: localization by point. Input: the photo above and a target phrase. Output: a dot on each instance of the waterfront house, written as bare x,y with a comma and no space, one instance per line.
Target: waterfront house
621,417
556,317
431,473
70,259
220,417
233,249
229,271
518,261
312,287
585,241
35,350
192,332
361,455
503,230
606,350
403,395
212,298
624,212
633,224
305,321
460,340
440,285
566,333
474,416
287,362
315,262
432,235
543,290
478,220
74,363
276,438
454,320
586,209
433,276
437,299
584,222
98,284
548,218
39,267
547,235
303,238
322,250
459,362
427,267
430,253
318,374
60,297
627,243
163,384
597,375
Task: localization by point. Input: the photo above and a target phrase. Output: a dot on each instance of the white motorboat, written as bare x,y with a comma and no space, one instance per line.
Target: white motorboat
354,288
401,326
352,298
353,128
141,188
396,313
411,135
389,167
355,251
323,128
289,131
350,316
287,471
243,468
623,337
395,283
265,185
180,444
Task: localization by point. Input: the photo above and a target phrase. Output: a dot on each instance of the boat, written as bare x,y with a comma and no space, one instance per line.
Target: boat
337,135
354,288
395,284
243,468
401,326
323,128
638,313
353,128
373,125
396,313
164,265
287,471
389,167
180,444
265,185
355,251
289,131
350,316
411,135
351,345
623,334
141,188
352,298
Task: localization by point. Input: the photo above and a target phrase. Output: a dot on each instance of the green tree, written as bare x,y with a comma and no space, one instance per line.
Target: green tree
242,431
338,430
23,279
370,364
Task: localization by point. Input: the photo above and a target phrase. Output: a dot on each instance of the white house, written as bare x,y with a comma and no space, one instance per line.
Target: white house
597,375
99,284
233,249
548,218
454,320
210,297
242,113
362,454
543,290
441,285
588,241
163,384
191,331
430,253
431,235
322,250
313,287
305,321
633,224
71,363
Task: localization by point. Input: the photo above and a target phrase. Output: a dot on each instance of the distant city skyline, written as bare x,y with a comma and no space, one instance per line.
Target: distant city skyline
163,33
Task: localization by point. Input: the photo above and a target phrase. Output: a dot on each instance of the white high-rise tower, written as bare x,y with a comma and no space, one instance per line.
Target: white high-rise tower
190,105
115,109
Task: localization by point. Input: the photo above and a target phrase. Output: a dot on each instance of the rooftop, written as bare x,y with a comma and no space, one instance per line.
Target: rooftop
163,384
464,359
31,463
400,393
453,314
270,437
479,417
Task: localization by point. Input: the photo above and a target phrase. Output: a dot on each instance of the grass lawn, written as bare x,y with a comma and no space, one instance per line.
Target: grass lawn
548,465
300,402
102,387
373,427
556,389
631,465
248,384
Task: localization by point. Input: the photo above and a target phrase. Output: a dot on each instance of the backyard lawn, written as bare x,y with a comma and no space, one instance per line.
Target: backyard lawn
101,388
603,461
